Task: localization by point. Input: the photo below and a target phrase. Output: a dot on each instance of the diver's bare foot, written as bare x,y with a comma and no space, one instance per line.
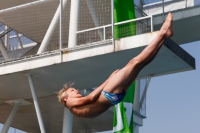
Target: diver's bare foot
166,29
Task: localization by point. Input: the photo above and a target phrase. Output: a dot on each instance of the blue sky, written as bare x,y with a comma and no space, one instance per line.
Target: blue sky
12,130
173,101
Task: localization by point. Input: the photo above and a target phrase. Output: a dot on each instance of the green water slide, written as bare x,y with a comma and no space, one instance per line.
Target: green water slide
124,10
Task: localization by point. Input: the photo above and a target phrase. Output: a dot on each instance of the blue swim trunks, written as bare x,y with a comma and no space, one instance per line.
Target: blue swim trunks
114,98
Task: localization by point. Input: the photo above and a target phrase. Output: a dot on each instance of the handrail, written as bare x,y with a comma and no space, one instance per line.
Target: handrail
132,20
119,23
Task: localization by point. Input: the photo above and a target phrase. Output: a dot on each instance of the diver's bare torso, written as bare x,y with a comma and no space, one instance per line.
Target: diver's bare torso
93,109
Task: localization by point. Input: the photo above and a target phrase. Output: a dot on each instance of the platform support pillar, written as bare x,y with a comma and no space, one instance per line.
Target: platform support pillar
67,121
37,107
11,116
136,128
136,105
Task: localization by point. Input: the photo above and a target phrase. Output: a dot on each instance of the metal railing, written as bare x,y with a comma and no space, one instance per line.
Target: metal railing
97,32
92,35
165,6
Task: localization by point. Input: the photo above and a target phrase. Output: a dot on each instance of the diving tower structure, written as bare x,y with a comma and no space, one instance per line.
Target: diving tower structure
77,46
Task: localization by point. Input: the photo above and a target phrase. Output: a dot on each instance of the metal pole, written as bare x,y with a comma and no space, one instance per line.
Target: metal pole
152,23
61,16
51,29
73,25
145,91
163,10
136,128
104,33
19,39
7,38
113,21
3,51
136,105
11,116
186,3
37,107
67,121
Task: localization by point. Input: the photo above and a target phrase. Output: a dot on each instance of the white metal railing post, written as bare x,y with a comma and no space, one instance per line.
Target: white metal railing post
73,24
104,33
136,105
152,23
7,38
61,12
3,51
186,3
67,121
37,107
51,29
163,10
113,22
19,41
11,116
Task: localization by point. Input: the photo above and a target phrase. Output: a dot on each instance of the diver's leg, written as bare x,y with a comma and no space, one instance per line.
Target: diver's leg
128,74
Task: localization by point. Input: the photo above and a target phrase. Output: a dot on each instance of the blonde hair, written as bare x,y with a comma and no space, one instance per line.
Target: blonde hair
63,93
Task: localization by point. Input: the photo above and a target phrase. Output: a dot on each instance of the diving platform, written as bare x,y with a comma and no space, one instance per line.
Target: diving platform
83,63
86,65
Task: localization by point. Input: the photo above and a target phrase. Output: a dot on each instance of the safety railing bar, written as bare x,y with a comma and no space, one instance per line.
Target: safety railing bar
96,28
104,33
132,20
160,2
116,24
